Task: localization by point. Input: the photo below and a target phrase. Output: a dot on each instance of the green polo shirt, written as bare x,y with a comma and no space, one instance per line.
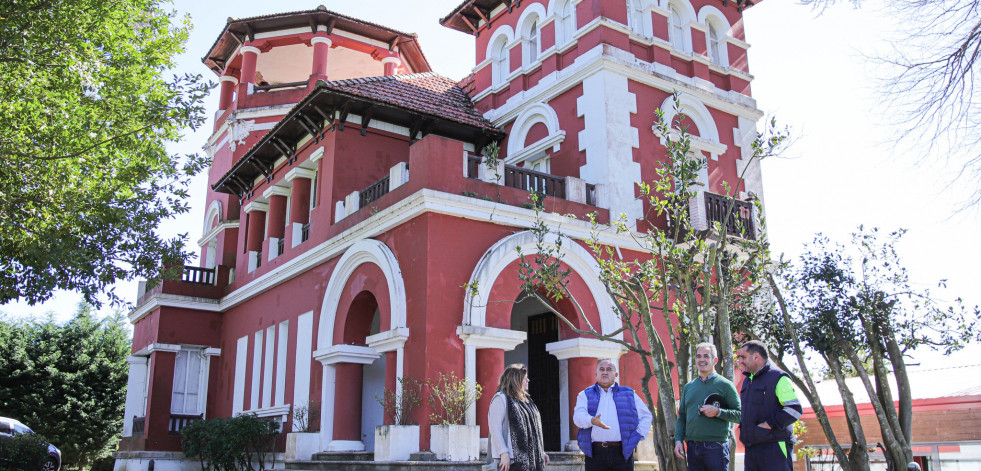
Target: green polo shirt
691,425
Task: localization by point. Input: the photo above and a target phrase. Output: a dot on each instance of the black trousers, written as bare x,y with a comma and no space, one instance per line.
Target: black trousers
609,459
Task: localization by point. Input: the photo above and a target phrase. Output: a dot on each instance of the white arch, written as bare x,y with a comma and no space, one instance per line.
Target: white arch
214,209
529,117
531,16
712,17
501,254
694,109
364,251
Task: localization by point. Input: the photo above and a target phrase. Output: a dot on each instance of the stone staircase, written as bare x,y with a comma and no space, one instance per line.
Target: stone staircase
423,461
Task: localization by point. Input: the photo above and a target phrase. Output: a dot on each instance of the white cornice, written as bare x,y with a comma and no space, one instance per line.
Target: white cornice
388,341
622,62
341,353
173,300
275,190
256,206
233,224
490,337
158,347
300,172
415,205
584,347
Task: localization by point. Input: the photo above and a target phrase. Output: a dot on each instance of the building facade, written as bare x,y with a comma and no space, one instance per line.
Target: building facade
348,208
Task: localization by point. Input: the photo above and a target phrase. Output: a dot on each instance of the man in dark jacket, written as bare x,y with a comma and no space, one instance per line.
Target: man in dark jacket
770,409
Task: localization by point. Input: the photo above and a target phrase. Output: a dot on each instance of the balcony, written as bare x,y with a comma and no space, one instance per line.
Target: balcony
706,209
531,181
193,281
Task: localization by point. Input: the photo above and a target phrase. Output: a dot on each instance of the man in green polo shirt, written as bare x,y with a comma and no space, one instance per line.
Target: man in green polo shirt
709,403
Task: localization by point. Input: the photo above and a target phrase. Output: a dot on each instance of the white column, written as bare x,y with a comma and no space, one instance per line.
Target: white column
484,337
134,392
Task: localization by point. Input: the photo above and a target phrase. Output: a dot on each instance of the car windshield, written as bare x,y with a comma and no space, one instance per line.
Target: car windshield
22,429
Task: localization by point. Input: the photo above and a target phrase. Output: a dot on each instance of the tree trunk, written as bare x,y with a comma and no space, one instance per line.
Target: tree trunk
893,448
810,390
902,383
858,455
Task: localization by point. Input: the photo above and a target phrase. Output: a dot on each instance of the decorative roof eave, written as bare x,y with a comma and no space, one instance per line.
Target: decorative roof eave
314,116
237,31
467,16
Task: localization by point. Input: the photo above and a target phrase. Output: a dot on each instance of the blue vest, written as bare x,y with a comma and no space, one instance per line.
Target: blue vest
623,398
759,402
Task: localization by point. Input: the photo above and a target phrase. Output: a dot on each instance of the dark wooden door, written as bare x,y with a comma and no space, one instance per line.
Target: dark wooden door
543,370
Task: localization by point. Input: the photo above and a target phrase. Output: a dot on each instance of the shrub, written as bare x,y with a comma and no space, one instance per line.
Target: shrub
232,444
399,412
450,397
23,452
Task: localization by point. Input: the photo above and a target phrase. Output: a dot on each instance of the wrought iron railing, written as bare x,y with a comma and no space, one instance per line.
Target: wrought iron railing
198,275
305,232
280,246
179,421
258,259
373,192
740,222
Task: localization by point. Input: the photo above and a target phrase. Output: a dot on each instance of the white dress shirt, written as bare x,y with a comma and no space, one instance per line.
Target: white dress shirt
607,410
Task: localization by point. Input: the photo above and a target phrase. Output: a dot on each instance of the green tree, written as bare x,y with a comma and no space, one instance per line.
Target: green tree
86,111
687,279
67,382
857,310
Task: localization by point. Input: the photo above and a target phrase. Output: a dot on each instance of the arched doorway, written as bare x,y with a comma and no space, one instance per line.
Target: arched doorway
542,327
363,319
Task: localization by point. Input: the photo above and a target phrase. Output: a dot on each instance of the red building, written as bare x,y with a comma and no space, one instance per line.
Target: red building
347,207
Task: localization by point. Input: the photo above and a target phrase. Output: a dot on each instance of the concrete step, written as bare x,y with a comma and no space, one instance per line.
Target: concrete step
344,456
558,461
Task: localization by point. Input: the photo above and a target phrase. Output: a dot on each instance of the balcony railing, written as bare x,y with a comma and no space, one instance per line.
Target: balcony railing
373,192
740,221
139,425
179,421
198,275
532,181
278,86
280,246
304,232
258,259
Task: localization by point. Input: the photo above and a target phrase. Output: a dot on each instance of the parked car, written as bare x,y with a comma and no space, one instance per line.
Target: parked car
11,427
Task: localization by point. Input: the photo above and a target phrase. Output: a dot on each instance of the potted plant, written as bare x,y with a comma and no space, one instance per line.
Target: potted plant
450,438
304,440
397,441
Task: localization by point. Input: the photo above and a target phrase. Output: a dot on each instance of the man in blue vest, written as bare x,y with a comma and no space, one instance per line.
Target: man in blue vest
612,420
770,409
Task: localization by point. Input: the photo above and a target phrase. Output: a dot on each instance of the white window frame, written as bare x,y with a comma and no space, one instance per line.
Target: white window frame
200,399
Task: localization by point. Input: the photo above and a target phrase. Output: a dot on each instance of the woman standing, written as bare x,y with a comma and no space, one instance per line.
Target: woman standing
515,424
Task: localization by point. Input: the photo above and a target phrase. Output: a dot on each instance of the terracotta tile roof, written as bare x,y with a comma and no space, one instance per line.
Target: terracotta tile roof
427,93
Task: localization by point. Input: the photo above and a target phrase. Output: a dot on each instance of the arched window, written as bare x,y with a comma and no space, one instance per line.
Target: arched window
716,30
566,21
635,18
533,42
676,30
501,64
714,44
